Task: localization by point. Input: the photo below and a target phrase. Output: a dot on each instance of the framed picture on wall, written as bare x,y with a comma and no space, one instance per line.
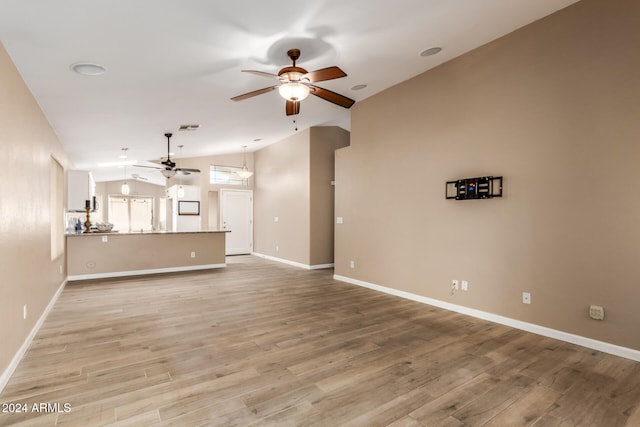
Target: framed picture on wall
186,207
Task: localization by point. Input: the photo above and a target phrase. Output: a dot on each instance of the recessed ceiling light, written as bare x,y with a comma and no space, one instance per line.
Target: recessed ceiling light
358,87
88,69
431,51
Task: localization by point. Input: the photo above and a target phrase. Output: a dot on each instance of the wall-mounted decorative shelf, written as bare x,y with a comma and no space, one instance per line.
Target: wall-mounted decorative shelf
485,187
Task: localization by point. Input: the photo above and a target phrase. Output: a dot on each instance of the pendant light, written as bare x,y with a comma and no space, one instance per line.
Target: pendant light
125,189
180,189
245,173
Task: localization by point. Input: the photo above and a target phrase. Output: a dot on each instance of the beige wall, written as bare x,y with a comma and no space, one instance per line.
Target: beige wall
90,255
324,142
28,275
293,183
552,107
282,191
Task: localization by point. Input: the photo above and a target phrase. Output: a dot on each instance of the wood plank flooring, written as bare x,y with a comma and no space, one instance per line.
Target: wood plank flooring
264,344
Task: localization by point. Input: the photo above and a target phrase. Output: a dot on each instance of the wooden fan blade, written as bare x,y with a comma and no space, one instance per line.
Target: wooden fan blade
150,167
187,170
328,73
330,96
254,93
260,73
293,108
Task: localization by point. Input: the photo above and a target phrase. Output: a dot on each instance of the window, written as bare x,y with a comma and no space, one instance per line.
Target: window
227,175
131,213
56,204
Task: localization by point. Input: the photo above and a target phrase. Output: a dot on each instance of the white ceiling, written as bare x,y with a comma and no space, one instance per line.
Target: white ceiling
175,62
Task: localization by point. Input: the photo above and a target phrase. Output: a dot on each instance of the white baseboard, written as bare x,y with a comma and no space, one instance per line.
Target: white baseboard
6,375
605,347
293,263
320,266
142,272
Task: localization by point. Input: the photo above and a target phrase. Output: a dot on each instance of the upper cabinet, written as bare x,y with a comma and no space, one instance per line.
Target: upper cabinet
81,187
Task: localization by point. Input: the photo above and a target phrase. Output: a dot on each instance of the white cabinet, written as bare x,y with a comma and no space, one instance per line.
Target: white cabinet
80,188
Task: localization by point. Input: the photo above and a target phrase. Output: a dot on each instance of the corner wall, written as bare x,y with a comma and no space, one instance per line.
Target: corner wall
552,107
282,192
324,141
29,276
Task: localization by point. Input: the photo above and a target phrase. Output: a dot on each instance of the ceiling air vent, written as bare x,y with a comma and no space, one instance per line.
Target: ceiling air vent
189,127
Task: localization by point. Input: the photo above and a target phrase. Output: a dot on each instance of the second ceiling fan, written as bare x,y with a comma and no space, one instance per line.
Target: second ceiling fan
296,84
169,168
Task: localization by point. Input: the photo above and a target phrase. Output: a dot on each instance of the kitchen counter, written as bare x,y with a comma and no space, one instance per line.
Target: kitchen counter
137,233
114,254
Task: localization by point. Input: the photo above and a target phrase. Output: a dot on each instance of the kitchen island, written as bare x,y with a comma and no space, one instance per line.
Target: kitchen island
113,254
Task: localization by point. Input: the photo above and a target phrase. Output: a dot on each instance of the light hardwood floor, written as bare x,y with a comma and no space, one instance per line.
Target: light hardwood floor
260,343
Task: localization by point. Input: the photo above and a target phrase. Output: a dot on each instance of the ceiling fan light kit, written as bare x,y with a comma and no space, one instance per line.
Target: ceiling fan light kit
294,91
168,173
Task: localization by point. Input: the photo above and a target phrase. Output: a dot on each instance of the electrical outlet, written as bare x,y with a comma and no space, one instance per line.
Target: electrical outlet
193,254
596,312
454,284
464,285
526,298
276,219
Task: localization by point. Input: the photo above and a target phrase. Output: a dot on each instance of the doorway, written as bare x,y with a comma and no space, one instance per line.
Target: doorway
236,215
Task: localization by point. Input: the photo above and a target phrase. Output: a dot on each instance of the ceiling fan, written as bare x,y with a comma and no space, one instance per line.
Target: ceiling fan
296,84
170,169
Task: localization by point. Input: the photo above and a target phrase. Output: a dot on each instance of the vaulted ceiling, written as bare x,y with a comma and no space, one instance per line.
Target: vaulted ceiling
171,63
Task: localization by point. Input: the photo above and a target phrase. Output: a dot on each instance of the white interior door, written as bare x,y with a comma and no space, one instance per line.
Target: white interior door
236,213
